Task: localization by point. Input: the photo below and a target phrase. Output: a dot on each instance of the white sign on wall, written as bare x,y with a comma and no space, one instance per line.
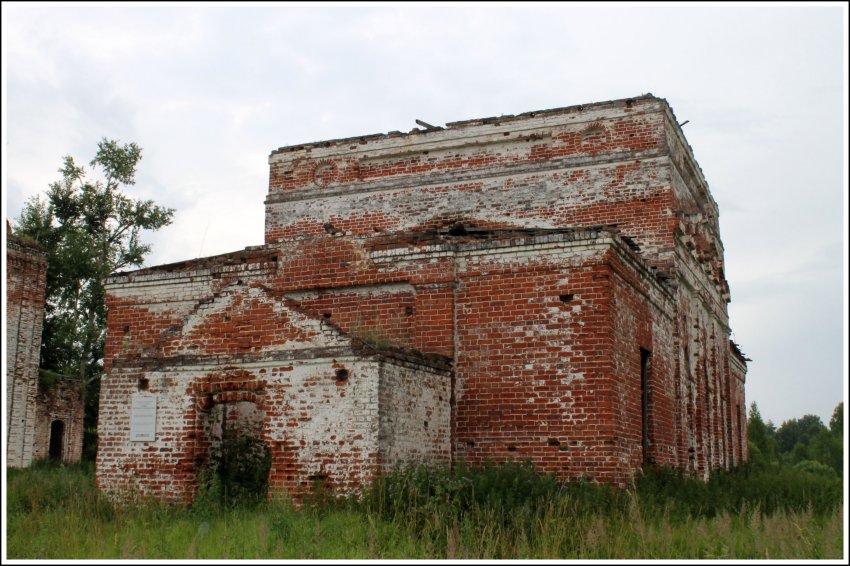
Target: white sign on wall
143,417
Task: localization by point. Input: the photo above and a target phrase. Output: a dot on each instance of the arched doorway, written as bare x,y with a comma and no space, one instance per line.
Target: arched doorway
238,462
57,440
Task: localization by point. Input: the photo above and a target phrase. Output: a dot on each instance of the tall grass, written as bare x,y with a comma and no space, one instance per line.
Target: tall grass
506,511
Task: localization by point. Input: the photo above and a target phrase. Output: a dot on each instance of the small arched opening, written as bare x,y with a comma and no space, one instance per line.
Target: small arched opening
57,440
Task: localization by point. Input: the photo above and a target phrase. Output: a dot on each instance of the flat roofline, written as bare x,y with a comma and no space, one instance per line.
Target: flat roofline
229,258
460,124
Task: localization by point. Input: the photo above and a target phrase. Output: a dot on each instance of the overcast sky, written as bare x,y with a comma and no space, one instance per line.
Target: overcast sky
209,91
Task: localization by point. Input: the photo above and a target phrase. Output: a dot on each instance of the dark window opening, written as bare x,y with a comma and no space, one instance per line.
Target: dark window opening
644,402
566,298
144,383
57,440
342,374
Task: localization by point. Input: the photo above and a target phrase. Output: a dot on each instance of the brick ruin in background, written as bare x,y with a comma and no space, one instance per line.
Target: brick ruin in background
547,287
41,422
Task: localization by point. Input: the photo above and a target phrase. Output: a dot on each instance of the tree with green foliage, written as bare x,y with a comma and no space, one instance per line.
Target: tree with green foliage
762,446
836,423
89,229
798,431
771,429
803,443
828,448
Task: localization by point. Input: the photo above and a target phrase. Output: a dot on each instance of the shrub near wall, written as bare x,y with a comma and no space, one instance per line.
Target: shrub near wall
237,473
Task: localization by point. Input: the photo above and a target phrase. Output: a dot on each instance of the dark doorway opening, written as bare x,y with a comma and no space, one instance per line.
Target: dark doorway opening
57,440
238,461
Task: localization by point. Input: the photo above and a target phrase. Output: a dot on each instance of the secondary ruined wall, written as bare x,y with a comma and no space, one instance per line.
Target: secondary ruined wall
61,402
26,274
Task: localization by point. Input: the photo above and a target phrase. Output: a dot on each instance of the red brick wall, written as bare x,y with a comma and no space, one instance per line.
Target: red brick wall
539,252
624,163
380,313
532,173
640,319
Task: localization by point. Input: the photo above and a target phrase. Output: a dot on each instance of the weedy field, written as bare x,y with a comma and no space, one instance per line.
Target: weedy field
507,511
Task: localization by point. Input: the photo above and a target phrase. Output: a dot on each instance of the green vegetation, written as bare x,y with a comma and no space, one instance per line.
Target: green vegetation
804,443
506,511
237,473
89,229
48,379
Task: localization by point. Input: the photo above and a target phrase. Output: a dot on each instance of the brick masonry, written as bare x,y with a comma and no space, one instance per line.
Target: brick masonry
59,422
34,415
26,274
547,286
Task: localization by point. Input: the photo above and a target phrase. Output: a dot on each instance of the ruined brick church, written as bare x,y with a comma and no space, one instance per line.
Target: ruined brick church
547,286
